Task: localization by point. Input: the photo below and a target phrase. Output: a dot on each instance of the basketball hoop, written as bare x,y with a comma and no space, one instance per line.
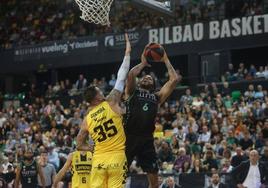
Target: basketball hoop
95,11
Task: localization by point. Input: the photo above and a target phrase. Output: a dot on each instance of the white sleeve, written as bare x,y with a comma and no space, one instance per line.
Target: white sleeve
122,74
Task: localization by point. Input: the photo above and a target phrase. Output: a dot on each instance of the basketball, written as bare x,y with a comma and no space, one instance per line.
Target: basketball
154,52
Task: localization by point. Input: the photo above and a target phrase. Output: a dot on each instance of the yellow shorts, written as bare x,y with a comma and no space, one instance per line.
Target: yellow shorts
108,170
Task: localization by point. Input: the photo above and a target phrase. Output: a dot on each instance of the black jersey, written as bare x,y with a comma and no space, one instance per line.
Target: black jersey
141,111
29,175
3,182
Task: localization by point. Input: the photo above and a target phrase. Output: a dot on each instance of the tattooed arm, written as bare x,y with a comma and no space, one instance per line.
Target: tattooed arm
82,138
114,97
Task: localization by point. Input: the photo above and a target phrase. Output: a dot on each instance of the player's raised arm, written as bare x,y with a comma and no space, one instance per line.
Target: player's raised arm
18,176
170,85
114,96
82,138
132,75
63,171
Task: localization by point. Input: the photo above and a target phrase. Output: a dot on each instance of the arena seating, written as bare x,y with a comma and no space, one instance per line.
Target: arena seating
55,20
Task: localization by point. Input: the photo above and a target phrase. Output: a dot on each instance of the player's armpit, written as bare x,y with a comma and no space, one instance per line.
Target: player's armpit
114,97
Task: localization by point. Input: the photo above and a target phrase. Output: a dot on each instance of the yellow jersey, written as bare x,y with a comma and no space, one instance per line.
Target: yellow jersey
106,129
81,169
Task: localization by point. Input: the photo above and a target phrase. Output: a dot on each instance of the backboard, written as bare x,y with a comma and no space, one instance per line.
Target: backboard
163,6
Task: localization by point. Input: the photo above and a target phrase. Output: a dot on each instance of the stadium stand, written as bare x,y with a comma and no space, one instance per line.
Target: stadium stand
189,129
33,22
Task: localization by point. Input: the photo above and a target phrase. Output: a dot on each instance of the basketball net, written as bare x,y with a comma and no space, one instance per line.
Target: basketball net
95,11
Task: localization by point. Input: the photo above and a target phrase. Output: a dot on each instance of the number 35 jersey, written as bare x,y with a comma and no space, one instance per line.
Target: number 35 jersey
106,129
141,111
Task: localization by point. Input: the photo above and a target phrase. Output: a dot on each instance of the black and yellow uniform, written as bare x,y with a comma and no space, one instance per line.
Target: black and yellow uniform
139,125
109,160
81,169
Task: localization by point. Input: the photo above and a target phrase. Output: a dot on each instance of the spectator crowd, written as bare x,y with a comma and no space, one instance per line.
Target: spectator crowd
210,131
34,22
69,87
242,73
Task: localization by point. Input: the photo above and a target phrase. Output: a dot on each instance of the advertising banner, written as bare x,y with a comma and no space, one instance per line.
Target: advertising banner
56,48
212,36
237,27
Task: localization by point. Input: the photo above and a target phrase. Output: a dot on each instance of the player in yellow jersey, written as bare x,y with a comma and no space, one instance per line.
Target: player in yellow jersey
80,163
104,124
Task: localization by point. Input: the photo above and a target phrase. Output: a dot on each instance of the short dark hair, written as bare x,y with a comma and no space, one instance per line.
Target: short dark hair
90,93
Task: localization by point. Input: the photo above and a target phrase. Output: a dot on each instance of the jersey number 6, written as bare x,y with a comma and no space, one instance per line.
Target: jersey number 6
107,129
84,180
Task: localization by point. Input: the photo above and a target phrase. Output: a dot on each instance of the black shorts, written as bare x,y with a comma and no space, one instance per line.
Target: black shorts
143,149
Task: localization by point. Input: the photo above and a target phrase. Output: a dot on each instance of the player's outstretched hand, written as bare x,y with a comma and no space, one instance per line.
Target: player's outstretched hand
143,59
165,57
128,45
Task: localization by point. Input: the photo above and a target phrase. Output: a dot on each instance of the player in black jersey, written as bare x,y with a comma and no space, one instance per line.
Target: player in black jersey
142,105
28,171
